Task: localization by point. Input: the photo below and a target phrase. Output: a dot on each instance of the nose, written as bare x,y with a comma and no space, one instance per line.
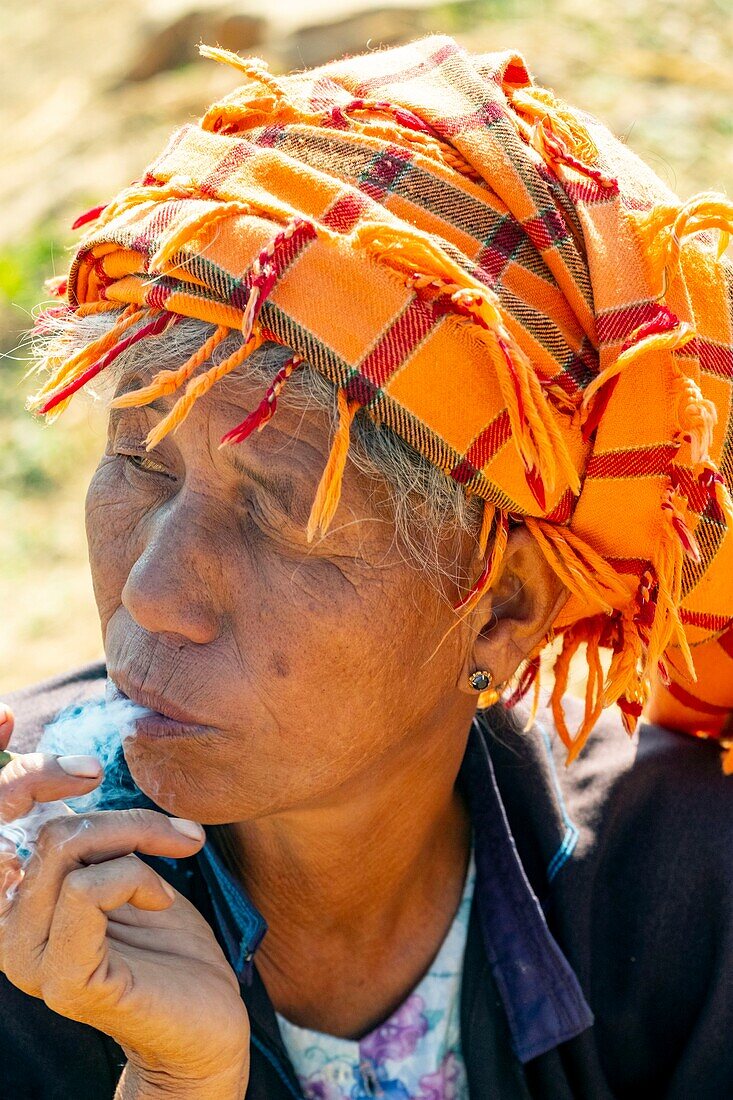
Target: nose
171,588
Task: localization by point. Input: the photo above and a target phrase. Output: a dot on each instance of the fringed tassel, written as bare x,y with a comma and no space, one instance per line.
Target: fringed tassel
554,151
637,639
702,212
529,676
664,333
168,381
723,498
535,697
696,418
676,542
664,228
329,488
263,277
264,269
543,446
141,193
198,387
88,216
653,625
727,747
626,670
535,432
631,711
403,115
154,328
538,104
487,520
409,127
236,115
684,534
586,631
174,241
582,570
713,482
492,565
234,118
266,408
489,572
90,352
253,67
558,135
77,363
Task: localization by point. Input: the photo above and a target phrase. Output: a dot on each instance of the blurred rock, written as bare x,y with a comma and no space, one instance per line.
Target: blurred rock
168,44
314,45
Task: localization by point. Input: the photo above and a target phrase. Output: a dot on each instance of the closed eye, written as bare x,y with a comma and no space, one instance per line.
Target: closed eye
146,464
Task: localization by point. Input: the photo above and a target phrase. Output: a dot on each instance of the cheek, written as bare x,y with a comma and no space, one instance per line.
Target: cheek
112,519
342,660
297,605
322,678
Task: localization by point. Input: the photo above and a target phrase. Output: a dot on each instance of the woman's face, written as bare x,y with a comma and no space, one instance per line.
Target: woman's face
304,666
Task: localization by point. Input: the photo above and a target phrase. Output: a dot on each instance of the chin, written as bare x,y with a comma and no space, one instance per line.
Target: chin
192,780
173,778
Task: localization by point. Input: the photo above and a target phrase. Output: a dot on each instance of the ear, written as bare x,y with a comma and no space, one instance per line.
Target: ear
510,620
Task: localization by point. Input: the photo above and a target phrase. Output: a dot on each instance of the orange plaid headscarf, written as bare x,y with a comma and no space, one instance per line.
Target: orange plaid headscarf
528,307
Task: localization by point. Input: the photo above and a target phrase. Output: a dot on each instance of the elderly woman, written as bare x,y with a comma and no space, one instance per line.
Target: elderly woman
416,369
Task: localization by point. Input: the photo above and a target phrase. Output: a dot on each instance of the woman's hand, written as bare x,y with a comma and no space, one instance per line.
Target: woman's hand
100,937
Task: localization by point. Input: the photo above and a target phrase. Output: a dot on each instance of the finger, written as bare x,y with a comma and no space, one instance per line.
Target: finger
65,844
11,872
38,777
77,964
7,723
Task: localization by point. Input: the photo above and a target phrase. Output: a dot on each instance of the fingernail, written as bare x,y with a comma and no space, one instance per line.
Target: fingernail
168,889
4,714
83,767
191,829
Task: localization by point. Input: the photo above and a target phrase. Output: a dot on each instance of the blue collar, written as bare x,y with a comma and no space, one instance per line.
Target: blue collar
540,991
541,994
242,927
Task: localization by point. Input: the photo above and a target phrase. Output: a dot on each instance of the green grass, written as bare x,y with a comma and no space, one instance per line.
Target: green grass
49,619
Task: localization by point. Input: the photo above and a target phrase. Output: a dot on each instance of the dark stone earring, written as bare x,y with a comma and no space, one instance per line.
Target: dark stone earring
480,680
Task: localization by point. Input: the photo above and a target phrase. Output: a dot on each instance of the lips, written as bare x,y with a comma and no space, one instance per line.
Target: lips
159,728
120,687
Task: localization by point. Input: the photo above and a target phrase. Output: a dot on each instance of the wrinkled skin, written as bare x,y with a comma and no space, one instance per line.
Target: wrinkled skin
309,664
331,693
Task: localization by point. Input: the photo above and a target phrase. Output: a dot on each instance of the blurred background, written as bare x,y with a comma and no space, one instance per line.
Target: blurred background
89,91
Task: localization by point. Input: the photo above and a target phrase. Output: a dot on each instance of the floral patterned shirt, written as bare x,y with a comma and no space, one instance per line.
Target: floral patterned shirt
414,1055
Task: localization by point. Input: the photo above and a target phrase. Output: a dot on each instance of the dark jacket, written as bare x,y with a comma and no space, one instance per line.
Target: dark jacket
630,855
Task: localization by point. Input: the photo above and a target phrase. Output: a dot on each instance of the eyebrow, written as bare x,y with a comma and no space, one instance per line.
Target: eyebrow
279,487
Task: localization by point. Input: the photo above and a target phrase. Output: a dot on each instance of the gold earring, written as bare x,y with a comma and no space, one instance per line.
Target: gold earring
480,680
